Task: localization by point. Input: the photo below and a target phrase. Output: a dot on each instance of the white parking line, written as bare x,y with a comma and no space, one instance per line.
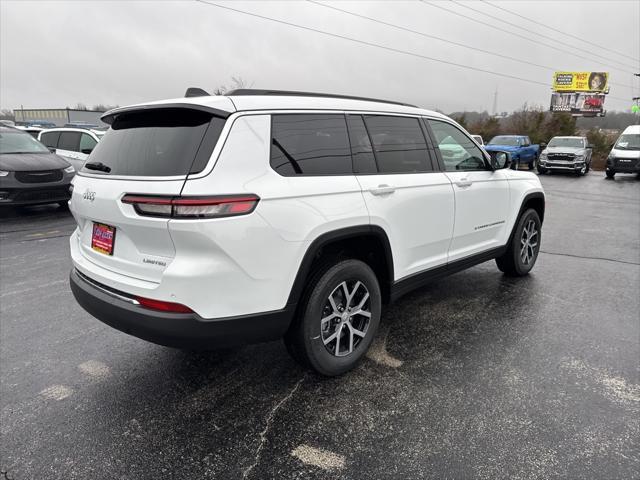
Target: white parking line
57,392
95,369
318,457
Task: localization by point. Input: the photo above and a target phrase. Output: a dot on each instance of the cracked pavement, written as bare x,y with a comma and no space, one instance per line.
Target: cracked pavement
475,376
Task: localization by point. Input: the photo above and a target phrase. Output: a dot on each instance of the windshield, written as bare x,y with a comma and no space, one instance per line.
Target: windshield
566,142
628,141
504,140
20,142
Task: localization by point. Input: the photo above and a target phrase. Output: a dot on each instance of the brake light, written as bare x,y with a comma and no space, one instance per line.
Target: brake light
163,306
192,207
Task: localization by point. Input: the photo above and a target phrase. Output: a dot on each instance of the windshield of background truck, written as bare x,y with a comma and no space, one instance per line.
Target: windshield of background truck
566,142
628,141
502,140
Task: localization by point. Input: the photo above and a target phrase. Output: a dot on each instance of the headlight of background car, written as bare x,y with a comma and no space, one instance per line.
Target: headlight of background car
543,156
579,158
3,173
70,169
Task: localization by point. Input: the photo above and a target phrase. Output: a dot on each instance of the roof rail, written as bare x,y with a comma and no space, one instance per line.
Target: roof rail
250,91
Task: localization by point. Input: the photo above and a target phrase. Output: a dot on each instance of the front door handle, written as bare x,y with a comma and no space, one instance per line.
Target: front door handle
383,189
464,183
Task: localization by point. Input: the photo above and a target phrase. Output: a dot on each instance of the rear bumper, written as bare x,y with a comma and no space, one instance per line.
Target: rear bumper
178,330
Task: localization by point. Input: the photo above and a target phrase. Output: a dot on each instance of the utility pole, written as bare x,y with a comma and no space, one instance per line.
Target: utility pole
495,102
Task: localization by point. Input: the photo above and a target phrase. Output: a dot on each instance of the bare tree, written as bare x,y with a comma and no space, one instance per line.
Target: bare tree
236,83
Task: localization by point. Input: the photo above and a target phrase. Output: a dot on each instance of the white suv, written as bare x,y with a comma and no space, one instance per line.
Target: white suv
211,220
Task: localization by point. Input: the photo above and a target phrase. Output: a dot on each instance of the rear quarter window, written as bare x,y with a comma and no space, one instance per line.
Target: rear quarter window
158,143
310,144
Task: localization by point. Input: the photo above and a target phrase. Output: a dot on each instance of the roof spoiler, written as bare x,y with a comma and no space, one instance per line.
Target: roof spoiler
196,92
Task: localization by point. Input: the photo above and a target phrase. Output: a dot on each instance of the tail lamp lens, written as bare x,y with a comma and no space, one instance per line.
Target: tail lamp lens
192,207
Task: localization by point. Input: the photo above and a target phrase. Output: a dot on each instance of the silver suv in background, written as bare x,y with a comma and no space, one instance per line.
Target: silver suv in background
566,154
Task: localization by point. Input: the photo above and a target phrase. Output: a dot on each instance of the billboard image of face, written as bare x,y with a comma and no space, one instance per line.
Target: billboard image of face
581,82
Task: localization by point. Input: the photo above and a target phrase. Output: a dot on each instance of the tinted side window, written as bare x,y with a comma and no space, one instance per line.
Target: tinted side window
314,144
399,144
50,139
457,150
69,141
87,143
361,149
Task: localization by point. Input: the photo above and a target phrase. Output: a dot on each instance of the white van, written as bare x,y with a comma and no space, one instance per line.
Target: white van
625,154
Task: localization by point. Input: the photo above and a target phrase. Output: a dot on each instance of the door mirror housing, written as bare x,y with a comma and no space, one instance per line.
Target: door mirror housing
543,145
52,149
500,159
87,151
589,146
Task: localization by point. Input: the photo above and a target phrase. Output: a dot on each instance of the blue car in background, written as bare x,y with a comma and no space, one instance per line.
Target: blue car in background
522,152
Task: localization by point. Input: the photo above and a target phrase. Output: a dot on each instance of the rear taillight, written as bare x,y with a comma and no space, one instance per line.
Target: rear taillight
192,207
163,306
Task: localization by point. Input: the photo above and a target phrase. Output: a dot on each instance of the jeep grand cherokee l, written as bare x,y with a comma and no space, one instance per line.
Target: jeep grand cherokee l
212,220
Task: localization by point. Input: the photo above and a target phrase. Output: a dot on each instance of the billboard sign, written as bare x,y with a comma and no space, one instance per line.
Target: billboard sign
578,103
581,82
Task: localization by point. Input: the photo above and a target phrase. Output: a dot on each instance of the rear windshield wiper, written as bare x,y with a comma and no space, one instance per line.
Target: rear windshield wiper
97,166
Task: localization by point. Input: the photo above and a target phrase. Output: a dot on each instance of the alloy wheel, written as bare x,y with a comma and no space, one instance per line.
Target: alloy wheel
528,242
345,318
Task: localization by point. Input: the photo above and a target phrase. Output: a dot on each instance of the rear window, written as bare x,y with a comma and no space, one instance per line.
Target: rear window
157,143
316,144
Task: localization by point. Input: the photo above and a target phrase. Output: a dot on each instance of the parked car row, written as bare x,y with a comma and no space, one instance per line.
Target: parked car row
569,154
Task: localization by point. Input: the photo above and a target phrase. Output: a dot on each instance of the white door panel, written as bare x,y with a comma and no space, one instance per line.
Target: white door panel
417,211
482,207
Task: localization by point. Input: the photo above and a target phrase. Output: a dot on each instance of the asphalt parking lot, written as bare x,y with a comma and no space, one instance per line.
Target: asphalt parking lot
475,376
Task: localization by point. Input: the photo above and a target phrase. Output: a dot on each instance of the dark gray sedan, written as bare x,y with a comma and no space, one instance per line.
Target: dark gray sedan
29,173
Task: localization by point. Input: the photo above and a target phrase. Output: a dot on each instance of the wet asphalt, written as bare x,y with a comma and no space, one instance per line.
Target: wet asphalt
475,376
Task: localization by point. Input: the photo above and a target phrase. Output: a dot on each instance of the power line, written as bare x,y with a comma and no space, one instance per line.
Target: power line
560,31
540,35
376,45
511,33
406,29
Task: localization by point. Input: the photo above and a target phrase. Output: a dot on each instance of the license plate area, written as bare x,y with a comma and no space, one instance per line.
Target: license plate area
103,238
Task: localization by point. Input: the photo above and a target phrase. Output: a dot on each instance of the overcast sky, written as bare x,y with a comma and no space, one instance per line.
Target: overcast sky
58,53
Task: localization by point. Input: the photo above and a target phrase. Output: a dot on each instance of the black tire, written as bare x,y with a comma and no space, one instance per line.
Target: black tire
512,263
534,163
588,166
610,173
542,170
305,339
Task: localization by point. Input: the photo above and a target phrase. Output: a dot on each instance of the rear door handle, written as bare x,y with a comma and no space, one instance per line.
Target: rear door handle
383,189
464,183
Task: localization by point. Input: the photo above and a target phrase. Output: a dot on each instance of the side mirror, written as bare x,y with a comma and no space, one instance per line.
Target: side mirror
500,160
87,151
611,146
542,146
52,149
589,146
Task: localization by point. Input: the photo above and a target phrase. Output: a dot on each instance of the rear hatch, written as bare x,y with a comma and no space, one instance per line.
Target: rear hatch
146,152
